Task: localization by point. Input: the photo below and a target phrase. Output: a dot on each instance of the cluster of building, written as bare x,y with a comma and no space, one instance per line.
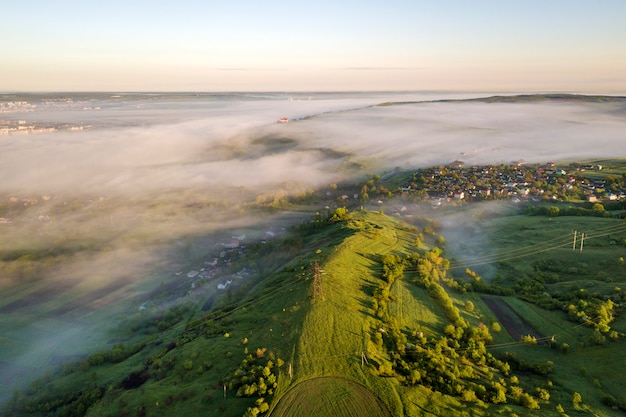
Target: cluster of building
16,106
514,181
23,127
213,267
10,106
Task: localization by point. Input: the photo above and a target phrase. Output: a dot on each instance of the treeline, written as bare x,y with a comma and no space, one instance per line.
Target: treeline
591,210
67,404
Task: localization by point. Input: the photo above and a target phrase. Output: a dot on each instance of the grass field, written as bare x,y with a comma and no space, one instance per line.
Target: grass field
528,245
525,242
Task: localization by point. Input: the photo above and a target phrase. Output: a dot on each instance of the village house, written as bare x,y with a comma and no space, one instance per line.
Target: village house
223,285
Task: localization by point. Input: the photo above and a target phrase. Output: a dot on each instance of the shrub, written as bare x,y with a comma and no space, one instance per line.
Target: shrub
608,400
543,394
527,401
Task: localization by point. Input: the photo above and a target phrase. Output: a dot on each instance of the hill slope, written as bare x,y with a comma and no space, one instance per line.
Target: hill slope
358,310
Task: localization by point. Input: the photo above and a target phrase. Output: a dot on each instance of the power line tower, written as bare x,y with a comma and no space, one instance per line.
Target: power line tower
582,241
317,282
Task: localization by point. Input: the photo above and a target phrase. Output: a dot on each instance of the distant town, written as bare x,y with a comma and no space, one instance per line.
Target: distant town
9,125
24,127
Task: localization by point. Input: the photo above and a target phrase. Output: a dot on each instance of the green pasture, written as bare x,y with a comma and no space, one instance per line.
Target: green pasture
416,310
527,246
609,167
522,244
593,371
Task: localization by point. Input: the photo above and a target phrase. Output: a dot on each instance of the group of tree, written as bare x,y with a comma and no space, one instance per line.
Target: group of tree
256,377
457,363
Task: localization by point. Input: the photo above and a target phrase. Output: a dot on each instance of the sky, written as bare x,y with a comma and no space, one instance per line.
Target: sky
273,45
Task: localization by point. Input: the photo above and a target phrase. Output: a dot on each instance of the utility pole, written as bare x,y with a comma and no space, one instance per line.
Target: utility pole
582,239
400,303
317,282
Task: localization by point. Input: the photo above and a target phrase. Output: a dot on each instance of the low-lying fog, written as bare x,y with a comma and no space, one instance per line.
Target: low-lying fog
218,144
149,172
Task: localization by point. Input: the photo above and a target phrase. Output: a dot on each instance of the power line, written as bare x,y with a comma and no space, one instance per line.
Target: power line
545,246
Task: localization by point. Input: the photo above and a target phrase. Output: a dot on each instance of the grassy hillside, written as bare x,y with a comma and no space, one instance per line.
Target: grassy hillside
559,291
355,315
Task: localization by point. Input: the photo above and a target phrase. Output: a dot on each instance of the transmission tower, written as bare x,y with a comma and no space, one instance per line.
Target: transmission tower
317,282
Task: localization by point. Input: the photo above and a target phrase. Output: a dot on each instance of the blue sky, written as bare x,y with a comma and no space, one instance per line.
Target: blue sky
240,45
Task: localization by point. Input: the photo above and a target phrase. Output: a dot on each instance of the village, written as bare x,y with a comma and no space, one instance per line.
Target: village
517,182
227,254
212,278
23,127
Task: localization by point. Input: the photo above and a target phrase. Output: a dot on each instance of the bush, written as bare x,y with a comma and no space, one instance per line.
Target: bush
135,379
527,401
543,394
608,400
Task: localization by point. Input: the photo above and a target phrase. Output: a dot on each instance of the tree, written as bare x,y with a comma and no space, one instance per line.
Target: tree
553,211
499,393
542,394
341,213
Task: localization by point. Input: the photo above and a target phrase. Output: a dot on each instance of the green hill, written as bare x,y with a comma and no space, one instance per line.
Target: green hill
354,315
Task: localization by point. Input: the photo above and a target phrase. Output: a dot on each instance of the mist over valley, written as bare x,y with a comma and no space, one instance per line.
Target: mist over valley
112,204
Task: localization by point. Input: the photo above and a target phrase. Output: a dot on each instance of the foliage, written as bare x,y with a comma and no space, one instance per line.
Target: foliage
257,376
